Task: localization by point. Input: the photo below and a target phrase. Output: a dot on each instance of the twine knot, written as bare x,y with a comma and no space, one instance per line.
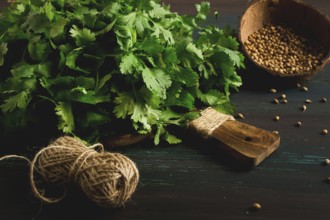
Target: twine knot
108,179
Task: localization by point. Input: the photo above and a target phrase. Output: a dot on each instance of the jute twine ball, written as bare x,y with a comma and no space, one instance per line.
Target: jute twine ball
108,179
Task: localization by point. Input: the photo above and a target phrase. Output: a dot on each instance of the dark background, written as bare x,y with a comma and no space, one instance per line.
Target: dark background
233,7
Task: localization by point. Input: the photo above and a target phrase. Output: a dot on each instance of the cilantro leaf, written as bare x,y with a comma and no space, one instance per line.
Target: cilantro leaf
234,56
194,50
156,80
23,70
157,10
141,22
171,139
214,97
38,49
66,118
3,51
82,36
49,10
57,28
125,105
203,10
87,63
20,100
152,46
129,63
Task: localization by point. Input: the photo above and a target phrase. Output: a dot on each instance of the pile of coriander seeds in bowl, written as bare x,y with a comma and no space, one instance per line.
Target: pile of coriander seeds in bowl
286,38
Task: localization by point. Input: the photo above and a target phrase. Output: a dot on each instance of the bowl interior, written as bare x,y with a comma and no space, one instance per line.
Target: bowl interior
304,19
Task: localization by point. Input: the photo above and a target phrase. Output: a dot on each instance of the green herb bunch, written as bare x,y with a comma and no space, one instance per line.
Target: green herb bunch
95,68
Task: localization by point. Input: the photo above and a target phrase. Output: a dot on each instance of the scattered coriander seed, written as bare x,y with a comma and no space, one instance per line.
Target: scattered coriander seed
308,101
273,90
283,96
304,88
275,101
256,206
298,124
323,100
324,132
327,179
298,85
240,116
303,108
276,118
326,162
284,101
276,132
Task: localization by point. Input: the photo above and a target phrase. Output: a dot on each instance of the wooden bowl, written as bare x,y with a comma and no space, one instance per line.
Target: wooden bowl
297,15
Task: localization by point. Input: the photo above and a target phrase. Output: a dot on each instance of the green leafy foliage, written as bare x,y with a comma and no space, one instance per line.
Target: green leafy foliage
19,100
93,65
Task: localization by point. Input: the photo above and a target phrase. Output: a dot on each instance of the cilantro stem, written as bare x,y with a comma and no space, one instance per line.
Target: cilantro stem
48,99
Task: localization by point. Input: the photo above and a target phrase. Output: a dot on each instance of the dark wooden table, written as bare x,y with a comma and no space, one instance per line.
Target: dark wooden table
196,181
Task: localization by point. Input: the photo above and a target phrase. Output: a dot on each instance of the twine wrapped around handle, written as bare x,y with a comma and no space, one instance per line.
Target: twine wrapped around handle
107,179
209,121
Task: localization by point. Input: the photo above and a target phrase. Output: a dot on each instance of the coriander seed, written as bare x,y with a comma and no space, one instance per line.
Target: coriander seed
283,96
323,100
276,132
272,90
276,118
308,101
303,108
256,206
304,89
275,101
240,116
284,101
298,124
326,162
327,179
324,132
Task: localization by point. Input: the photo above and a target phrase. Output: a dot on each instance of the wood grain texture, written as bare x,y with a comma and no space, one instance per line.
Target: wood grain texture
196,180
249,144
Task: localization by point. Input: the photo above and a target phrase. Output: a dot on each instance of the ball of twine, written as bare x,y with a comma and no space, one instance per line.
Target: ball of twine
108,179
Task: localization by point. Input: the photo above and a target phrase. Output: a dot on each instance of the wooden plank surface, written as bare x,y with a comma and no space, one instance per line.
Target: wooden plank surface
196,180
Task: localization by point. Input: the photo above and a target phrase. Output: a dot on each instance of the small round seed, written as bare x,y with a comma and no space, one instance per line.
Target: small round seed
273,90
298,124
327,179
240,116
275,101
276,118
283,96
304,88
323,100
326,162
298,85
276,132
256,206
284,101
308,101
324,132
303,108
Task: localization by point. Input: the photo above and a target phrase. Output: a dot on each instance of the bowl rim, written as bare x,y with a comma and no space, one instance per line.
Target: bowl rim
306,74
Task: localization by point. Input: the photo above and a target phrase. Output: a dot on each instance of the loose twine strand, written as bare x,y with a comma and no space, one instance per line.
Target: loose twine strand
107,179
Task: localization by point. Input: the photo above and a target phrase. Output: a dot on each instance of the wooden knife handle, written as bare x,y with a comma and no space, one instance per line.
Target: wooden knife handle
246,142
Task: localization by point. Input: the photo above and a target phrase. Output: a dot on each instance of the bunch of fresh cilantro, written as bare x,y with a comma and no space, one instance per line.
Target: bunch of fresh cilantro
94,68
